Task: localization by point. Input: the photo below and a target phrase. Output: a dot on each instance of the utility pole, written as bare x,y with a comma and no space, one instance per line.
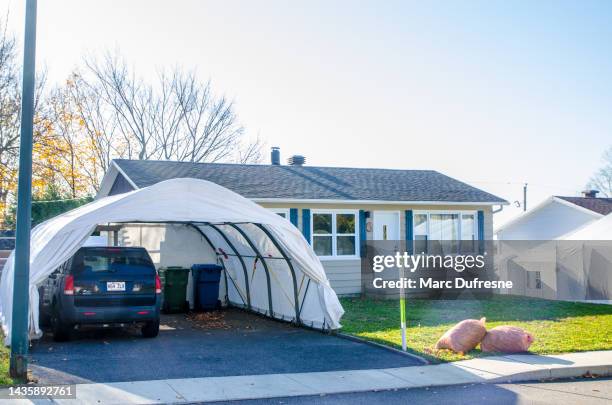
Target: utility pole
525,197
21,286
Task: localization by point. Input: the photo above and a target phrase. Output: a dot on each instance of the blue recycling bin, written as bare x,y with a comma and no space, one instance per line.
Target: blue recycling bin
206,279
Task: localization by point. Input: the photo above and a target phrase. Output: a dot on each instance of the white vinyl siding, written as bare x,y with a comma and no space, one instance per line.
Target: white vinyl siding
344,275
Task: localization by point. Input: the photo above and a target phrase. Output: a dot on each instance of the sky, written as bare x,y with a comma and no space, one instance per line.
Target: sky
493,93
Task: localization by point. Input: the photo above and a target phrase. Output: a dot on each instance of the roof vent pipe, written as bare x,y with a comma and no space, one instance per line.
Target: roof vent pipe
275,156
590,193
297,160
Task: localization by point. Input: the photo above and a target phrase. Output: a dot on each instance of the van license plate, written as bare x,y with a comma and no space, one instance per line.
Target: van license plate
115,286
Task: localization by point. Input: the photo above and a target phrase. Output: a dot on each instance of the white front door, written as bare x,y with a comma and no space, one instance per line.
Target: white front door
386,225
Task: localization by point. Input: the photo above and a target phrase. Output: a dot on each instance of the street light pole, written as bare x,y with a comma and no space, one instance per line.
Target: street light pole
21,286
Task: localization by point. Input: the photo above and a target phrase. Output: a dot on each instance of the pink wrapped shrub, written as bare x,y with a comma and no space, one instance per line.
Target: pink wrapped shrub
464,336
506,339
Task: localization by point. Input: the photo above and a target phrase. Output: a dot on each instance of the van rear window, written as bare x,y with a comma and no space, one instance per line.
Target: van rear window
116,260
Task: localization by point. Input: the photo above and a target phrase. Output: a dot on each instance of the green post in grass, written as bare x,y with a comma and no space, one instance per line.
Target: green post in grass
403,321
403,311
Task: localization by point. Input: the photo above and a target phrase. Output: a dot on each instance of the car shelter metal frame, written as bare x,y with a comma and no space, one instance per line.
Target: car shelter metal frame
257,255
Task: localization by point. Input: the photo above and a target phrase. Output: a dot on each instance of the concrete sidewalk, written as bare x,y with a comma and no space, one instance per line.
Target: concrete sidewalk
511,368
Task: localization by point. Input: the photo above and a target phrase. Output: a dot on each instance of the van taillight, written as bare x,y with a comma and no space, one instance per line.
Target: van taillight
158,287
69,285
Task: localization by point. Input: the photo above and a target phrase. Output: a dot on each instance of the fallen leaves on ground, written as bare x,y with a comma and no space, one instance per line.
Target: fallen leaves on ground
209,320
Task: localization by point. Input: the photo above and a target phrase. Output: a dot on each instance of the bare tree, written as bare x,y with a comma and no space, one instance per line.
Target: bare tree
251,152
99,125
130,103
176,118
602,179
167,118
105,111
209,127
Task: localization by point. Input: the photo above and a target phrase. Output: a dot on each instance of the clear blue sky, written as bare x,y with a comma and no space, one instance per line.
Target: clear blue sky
494,93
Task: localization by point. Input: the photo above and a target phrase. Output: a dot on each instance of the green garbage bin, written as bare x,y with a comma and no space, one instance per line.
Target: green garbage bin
174,279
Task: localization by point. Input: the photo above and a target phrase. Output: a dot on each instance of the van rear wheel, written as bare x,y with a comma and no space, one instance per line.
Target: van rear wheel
150,329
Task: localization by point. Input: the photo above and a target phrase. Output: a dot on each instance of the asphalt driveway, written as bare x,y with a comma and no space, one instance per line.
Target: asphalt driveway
238,344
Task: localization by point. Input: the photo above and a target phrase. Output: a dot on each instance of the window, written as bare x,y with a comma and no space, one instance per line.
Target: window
468,232
444,228
322,234
534,279
445,232
112,260
282,212
420,233
334,233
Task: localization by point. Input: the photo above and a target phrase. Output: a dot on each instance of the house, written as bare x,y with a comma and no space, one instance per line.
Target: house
337,209
576,266
555,217
553,265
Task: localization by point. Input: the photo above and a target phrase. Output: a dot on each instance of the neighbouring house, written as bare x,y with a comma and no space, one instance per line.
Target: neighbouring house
559,259
555,217
337,209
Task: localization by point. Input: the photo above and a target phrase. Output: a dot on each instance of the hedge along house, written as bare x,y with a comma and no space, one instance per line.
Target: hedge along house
336,209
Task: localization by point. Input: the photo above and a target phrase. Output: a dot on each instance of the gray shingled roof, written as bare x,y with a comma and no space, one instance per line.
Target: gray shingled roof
602,206
309,182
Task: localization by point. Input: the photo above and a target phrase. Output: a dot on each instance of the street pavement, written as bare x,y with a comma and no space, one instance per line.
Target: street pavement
494,370
574,391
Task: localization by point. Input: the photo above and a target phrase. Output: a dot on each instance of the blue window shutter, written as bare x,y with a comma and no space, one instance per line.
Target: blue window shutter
306,223
409,232
362,233
293,216
481,231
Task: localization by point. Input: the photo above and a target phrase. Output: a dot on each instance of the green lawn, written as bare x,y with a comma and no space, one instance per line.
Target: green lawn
558,327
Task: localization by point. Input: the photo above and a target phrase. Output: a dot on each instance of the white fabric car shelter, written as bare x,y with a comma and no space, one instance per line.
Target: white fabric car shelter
269,267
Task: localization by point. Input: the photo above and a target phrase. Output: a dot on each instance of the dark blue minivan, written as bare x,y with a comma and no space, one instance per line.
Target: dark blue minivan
104,286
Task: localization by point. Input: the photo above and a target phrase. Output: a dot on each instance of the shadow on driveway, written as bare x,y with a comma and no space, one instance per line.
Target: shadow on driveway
248,344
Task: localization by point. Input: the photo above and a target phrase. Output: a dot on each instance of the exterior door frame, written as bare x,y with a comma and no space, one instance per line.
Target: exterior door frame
397,213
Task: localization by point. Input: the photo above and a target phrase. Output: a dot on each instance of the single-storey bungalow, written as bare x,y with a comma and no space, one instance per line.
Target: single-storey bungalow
556,217
337,209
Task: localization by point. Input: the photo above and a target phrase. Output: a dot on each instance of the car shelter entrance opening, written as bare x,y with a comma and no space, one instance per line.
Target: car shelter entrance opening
269,267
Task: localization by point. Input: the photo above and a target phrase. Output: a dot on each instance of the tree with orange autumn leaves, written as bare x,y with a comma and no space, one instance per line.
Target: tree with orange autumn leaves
63,156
